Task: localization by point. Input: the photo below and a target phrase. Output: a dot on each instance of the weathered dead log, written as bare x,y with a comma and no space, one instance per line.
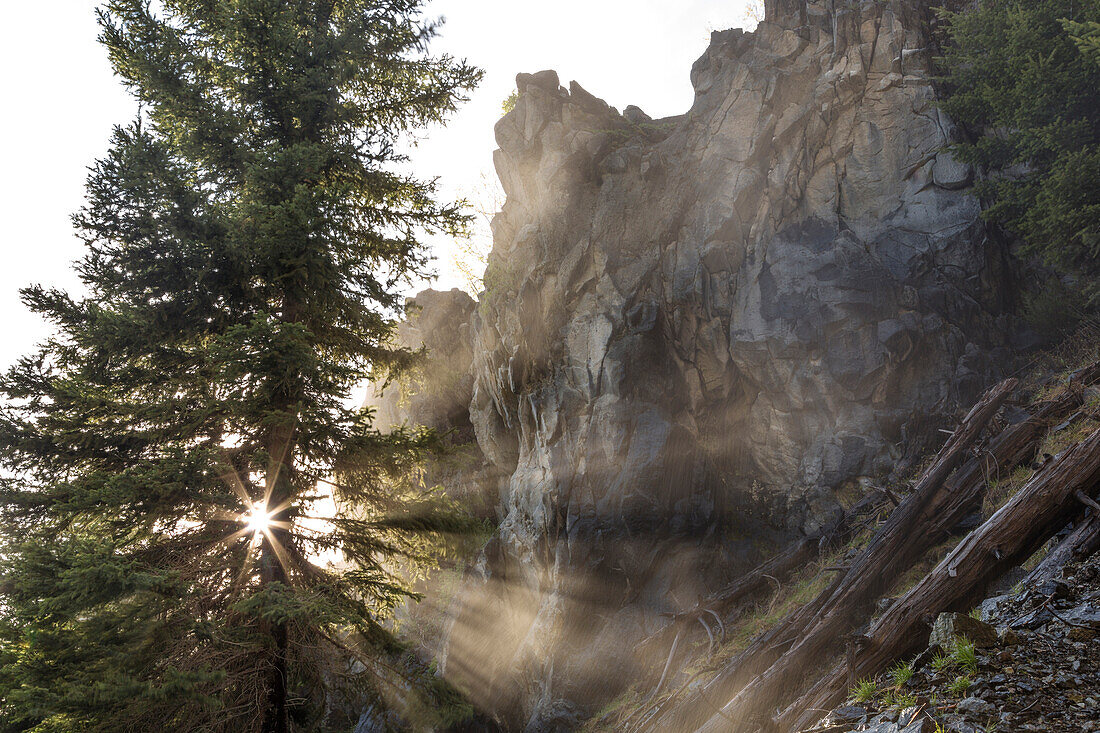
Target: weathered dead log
1018,443
775,571
1016,531
794,558
1080,543
752,583
799,642
757,580
1014,446
943,500
909,532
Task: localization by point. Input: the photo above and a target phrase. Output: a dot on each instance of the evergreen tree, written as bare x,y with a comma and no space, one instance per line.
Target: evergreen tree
1022,76
165,566
1087,37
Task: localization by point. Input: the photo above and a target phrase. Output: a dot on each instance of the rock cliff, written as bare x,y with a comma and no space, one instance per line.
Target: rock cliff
695,330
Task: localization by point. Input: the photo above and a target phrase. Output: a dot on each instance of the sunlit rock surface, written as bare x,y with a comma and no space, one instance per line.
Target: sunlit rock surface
437,392
695,329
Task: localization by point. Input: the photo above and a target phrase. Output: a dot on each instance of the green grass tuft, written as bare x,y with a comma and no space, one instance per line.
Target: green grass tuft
965,655
903,701
901,674
864,690
960,685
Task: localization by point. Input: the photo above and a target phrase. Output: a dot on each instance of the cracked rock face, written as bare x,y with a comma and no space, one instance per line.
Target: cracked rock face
695,329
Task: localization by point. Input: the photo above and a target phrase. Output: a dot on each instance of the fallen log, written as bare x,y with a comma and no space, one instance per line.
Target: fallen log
1014,446
1016,531
957,496
782,566
914,527
1081,542
747,586
775,571
799,642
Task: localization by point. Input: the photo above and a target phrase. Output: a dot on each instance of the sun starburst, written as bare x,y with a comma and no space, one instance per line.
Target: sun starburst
258,519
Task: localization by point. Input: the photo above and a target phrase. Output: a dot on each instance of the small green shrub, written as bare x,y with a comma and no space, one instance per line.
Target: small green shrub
1053,309
942,662
1000,490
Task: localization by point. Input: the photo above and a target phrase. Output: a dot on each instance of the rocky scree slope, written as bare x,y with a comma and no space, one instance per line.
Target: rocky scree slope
1030,661
695,330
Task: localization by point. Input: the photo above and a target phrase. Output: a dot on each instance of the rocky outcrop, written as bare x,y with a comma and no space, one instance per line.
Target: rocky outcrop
1036,667
695,330
436,391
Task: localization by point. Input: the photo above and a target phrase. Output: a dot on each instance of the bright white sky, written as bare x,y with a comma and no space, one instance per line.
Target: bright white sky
63,101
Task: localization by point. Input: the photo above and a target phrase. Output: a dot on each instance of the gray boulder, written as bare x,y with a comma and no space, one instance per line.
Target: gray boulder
950,626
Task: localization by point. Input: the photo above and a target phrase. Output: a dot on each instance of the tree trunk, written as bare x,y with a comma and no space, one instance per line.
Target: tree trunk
275,717
274,570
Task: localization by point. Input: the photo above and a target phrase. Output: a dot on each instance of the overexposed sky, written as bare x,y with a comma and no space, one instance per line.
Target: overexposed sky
61,101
